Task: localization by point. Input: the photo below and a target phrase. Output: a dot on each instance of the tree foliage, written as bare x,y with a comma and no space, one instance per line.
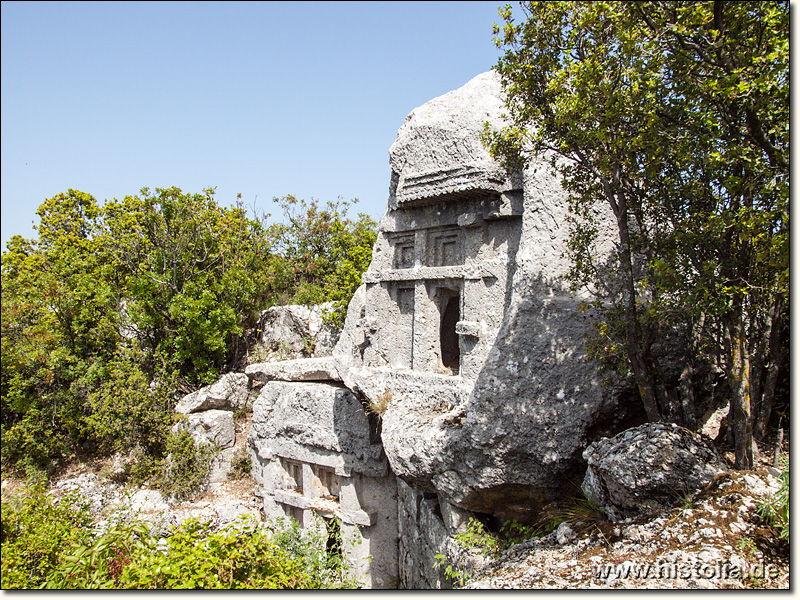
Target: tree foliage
325,252
52,544
673,118
116,310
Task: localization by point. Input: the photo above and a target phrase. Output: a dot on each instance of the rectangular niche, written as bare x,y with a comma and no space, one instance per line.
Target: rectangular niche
403,351
450,315
294,513
403,250
292,475
326,482
405,300
444,247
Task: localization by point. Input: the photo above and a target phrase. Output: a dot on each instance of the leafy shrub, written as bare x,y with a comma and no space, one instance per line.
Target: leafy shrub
186,467
99,564
37,531
319,549
323,252
240,465
129,409
195,557
48,543
775,510
244,555
478,535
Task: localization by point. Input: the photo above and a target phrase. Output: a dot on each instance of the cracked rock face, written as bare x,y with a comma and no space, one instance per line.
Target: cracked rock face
311,420
466,324
229,393
647,467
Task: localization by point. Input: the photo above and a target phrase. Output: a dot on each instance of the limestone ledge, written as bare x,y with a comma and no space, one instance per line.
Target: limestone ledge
321,505
469,272
301,369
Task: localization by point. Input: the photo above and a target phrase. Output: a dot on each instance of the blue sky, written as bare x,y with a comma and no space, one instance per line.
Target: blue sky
259,98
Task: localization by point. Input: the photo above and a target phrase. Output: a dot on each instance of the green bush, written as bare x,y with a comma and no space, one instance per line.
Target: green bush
185,469
319,548
99,563
240,465
323,251
197,558
114,308
775,511
127,410
37,532
476,534
48,543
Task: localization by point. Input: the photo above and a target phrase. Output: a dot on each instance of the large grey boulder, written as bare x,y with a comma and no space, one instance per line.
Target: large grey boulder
229,393
296,331
304,421
300,369
647,467
210,426
466,320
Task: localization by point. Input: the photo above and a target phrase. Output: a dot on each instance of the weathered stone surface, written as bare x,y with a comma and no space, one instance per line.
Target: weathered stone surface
294,330
423,413
465,319
465,338
210,426
301,369
438,152
230,512
220,465
647,467
229,393
148,501
313,422
315,453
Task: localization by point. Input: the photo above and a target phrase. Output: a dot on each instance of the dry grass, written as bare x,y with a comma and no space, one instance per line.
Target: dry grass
379,406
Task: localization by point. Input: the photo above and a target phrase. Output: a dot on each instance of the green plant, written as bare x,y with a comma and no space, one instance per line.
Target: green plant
240,414
747,546
455,577
37,531
477,535
513,532
309,345
99,565
240,465
49,543
185,469
380,405
195,557
318,547
323,252
775,510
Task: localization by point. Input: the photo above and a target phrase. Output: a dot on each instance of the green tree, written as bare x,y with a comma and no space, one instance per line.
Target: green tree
59,328
323,252
195,275
115,310
674,116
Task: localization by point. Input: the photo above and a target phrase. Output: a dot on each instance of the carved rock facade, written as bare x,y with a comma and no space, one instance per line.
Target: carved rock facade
464,337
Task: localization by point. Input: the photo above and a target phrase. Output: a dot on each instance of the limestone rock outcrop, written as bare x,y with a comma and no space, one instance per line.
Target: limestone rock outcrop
647,467
315,455
460,368
210,426
466,321
301,369
298,420
229,393
296,331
